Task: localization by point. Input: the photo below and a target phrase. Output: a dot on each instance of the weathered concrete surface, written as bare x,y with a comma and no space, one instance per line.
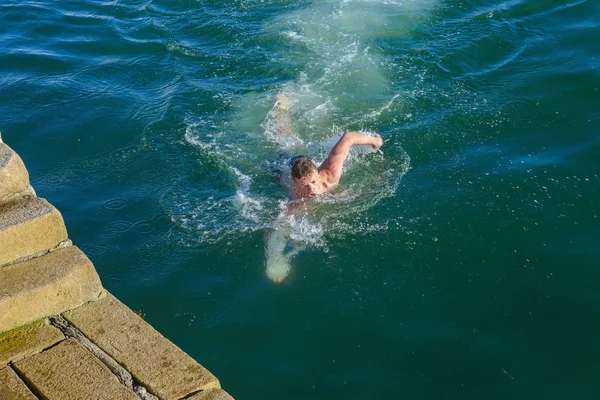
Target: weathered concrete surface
28,227
47,285
27,340
155,362
13,388
14,177
215,394
68,371
121,373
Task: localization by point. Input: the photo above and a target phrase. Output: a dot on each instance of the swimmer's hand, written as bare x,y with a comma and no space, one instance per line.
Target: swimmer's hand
377,141
278,269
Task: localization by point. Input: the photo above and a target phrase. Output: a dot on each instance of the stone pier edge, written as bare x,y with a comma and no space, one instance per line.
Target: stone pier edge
62,335
121,373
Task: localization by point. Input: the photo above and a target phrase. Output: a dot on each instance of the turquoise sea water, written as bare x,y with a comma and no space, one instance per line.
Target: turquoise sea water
463,263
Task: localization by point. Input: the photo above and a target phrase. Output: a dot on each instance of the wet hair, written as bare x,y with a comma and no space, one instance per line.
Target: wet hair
302,167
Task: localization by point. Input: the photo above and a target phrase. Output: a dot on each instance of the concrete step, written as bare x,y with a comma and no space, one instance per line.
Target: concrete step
13,388
14,177
27,340
69,371
43,286
29,227
156,363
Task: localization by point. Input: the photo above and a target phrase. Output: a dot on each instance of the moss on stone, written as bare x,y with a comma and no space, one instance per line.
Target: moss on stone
27,340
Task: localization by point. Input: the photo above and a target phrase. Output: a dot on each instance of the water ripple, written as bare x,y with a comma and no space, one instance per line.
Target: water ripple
144,227
115,229
115,204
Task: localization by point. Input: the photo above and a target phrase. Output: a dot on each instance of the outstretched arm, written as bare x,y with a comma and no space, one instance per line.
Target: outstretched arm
276,261
276,238
335,161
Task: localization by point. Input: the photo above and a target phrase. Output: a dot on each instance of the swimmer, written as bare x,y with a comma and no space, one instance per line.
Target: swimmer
280,109
309,181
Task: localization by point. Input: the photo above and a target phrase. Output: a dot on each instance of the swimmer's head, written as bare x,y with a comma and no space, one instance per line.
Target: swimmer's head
302,167
307,180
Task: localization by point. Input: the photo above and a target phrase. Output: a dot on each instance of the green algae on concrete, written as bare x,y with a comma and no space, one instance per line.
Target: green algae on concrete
68,371
27,340
46,285
29,227
155,362
13,388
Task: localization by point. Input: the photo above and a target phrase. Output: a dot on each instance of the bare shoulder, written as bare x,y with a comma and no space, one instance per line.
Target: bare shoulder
328,177
331,169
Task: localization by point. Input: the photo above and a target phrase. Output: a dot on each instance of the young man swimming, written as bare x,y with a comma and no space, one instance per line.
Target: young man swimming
310,181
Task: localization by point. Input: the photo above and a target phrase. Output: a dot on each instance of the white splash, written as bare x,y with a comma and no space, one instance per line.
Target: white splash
342,79
250,208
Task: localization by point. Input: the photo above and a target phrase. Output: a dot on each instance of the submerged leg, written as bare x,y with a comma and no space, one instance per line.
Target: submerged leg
283,125
279,128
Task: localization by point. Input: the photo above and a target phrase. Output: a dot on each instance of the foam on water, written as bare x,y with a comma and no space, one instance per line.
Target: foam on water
344,79
249,207
225,202
252,200
342,83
